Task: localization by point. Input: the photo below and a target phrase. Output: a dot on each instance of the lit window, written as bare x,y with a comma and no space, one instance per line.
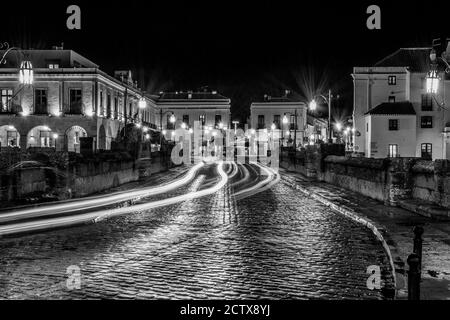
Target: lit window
426,150
426,122
5,99
393,151
392,80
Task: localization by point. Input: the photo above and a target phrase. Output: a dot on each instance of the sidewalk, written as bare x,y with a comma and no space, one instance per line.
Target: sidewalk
395,226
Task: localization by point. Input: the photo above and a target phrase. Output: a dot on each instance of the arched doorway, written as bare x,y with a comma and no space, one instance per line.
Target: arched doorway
40,137
73,135
9,136
102,138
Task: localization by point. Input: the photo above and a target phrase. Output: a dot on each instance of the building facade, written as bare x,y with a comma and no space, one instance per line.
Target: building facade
70,98
393,113
208,107
272,110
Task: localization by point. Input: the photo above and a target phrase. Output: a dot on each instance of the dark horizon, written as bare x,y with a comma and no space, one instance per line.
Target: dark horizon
242,50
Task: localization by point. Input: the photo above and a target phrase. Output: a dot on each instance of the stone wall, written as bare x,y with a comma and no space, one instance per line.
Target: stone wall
389,180
55,175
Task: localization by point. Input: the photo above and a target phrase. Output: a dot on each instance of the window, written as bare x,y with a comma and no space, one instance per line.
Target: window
101,103
276,120
426,150
170,125
130,110
108,106
391,99
186,119
40,101
292,123
393,151
427,102
367,127
392,80
426,122
393,124
44,137
261,122
116,108
11,138
217,120
202,119
53,64
5,98
75,104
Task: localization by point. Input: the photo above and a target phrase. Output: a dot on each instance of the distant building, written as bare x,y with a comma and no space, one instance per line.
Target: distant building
70,98
208,107
394,115
272,110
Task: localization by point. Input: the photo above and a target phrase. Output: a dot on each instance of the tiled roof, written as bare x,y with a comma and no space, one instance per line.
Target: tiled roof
393,108
290,98
193,96
416,59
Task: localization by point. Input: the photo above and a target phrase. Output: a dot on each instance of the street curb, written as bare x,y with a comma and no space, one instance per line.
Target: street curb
365,222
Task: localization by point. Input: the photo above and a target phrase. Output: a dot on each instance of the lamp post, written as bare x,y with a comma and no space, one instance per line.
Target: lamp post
172,119
313,106
433,79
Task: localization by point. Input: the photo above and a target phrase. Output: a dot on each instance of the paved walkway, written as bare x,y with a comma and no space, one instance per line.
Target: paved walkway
278,244
396,225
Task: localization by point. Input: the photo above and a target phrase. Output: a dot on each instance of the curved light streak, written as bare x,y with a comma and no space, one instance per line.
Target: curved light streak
98,201
104,214
272,179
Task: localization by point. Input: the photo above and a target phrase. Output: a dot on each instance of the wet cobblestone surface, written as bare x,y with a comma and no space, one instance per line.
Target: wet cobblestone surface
275,245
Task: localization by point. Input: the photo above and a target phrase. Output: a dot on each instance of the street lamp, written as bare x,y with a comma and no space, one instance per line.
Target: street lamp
142,103
26,74
338,126
313,106
285,119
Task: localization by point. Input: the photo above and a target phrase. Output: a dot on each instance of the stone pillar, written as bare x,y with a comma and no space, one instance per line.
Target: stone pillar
399,180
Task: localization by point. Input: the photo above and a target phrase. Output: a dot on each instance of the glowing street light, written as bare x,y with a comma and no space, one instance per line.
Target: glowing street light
172,118
183,126
164,132
339,126
273,126
26,74
313,105
142,103
285,119
221,125
432,81
138,125
145,129
55,136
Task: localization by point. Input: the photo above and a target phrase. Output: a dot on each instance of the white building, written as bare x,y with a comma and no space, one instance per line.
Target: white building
70,98
394,115
206,106
272,110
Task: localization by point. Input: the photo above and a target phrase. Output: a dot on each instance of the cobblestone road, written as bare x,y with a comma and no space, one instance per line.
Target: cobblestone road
276,245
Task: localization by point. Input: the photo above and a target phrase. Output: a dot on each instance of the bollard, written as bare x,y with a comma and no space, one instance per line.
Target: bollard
413,277
418,231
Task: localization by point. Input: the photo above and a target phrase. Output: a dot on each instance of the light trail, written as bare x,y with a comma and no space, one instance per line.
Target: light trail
165,202
104,214
272,179
98,201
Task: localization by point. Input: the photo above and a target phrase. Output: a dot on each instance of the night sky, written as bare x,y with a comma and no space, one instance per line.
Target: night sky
243,49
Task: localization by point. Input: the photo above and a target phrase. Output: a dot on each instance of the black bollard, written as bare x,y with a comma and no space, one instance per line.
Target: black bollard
418,232
413,277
